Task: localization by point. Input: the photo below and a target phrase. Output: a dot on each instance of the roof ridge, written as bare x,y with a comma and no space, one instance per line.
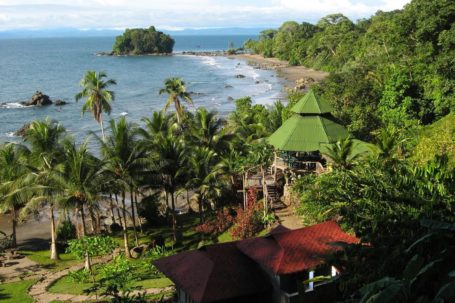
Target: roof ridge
281,249
209,276
324,128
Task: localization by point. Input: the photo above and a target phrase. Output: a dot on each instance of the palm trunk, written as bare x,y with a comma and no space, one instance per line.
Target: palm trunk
244,190
88,263
118,210
201,208
264,191
133,216
92,220
138,217
111,205
166,196
125,230
14,221
84,228
174,221
54,252
102,129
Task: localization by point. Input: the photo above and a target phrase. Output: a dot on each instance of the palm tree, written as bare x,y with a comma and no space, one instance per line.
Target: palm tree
82,179
98,96
170,160
14,191
207,130
176,90
124,158
343,153
46,159
205,175
156,128
246,129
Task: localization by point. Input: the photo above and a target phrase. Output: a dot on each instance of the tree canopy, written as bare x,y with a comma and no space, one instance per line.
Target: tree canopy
138,41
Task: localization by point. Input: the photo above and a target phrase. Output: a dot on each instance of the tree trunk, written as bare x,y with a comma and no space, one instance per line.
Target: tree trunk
264,191
78,225
133,217
14,219
111,205
201,208
137,212
118,210
125,230
92,220
244,190
174,221
102,129
84,228
88,263
54,252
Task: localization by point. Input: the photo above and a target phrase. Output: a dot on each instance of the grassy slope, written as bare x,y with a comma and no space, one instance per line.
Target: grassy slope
16,292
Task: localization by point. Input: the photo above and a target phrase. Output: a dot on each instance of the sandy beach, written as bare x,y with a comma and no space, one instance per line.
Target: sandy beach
284,70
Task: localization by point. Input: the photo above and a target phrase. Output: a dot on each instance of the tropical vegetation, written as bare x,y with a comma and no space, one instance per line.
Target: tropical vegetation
391,84
139,41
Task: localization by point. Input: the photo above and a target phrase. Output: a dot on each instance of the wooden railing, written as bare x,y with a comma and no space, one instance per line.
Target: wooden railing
297,165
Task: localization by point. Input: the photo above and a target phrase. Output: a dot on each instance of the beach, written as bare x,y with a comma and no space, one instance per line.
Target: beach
284,70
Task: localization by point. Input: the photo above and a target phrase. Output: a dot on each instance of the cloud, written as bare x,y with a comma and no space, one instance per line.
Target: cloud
20,14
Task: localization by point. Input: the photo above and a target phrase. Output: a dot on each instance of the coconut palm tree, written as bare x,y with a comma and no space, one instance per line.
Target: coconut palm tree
343,153
124,158
98,97
207,130
82,179
176,90
205,176
14,191
156,127
170,158
46,160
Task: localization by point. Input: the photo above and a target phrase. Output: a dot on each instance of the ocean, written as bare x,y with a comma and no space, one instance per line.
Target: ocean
56,65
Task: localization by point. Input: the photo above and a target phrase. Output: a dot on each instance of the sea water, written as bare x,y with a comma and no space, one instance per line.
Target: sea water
56,65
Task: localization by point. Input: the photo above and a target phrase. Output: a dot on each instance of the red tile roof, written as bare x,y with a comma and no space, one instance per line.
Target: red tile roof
215,272
286,252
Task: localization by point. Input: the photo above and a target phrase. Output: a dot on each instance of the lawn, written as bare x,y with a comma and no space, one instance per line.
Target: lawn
66,285
42,258
16,292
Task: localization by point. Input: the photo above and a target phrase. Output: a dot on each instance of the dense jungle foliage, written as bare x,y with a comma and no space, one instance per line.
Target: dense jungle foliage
139,41
393,69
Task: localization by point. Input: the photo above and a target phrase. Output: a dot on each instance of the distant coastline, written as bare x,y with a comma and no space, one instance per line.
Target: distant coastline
290,73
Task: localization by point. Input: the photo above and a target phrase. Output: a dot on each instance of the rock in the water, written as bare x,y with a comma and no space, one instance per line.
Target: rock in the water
257,82
230,98
240,76
39,99
228,86
21,131
60,103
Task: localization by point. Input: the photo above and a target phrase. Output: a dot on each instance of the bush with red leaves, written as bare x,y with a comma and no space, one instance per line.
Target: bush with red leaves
248,221
221,223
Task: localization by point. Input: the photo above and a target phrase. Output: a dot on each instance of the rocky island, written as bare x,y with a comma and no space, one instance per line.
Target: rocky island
140,41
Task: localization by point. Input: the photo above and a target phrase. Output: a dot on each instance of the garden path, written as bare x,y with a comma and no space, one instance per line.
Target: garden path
39,291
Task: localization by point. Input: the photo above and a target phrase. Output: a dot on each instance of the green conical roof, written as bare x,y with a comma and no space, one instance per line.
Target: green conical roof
312,104
302,133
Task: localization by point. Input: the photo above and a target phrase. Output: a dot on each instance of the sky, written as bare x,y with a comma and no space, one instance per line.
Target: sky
178,14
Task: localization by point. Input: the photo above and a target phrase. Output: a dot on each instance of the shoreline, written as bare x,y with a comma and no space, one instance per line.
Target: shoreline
293,74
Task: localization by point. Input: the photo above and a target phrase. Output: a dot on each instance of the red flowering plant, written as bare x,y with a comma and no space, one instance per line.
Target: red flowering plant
248,221
221,223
